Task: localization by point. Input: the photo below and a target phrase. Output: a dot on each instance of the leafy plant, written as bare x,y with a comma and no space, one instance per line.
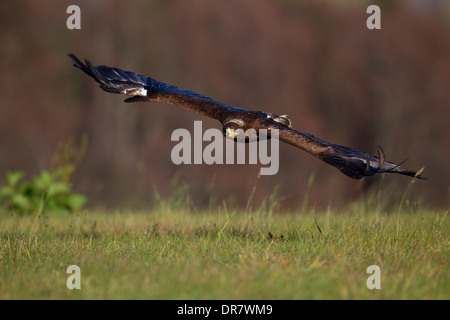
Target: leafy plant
50,191
47,192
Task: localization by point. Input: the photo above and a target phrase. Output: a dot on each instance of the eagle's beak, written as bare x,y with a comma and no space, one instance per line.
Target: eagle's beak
231,133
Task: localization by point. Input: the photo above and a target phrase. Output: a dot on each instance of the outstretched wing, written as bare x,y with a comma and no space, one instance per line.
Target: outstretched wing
357,164
351,162
143,88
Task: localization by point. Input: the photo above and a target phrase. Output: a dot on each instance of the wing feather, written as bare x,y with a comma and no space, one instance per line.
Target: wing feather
351,162
143,88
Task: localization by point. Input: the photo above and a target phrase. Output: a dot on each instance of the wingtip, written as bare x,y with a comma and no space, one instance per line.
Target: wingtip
418,174
77,62
413,174
73,57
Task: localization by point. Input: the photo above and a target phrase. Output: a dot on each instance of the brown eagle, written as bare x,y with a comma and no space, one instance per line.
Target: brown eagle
351,162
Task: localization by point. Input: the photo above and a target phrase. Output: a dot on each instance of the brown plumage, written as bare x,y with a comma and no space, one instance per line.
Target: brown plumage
351,162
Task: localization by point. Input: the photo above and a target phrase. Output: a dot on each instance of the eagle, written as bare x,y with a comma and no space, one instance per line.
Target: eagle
351,162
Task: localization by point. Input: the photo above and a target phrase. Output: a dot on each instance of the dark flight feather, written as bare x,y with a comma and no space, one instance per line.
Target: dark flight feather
353,163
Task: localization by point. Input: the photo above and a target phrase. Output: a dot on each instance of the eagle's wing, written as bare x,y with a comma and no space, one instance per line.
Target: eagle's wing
143,88
351,162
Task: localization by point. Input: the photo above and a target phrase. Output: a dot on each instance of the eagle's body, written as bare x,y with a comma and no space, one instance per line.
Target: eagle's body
351,162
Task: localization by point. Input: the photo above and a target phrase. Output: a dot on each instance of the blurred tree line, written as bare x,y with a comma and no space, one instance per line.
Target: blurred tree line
313,60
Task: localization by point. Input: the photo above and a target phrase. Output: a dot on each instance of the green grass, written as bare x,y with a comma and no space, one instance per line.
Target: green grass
171,254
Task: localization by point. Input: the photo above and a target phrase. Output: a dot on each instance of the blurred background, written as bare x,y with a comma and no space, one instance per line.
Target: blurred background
314,60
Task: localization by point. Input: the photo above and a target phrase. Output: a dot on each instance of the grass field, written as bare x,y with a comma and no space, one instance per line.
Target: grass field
171,254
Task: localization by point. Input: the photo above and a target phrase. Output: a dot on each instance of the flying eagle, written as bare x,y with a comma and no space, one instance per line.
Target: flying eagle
351,162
